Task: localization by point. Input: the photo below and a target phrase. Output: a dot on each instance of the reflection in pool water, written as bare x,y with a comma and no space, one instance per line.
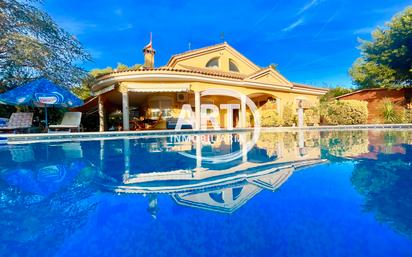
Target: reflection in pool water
295,194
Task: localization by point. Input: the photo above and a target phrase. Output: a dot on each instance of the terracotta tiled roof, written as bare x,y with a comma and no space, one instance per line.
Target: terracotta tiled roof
198,50
362,90
195,70
216,72
308,86
198,70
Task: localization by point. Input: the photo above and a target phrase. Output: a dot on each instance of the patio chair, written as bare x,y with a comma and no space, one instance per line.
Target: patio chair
147,124
71,121
73,150
155,123
18,121
136,125
22,153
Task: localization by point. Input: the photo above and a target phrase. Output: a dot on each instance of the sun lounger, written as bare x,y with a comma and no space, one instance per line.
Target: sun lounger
19,121
71,121
73,150
22,153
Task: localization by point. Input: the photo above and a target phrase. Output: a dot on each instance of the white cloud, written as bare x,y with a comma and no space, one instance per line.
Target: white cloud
365,30
293,25
331,18
267,14
76,27
309,5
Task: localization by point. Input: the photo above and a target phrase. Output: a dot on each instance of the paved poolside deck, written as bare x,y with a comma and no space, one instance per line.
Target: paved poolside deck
66,136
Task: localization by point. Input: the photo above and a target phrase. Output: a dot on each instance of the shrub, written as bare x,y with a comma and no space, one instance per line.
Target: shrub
345,143
408,116
6,110
312,116
269,142
250,122
391,113
344,112
289,115
334,92
270,118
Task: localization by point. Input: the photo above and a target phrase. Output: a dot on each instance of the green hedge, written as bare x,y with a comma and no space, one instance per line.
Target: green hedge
312,116
344,112
269,116
289,115
408,116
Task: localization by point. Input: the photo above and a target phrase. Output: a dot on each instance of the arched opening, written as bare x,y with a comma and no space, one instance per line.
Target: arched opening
213,63
232,66
269,107
217,197
236,192
265,101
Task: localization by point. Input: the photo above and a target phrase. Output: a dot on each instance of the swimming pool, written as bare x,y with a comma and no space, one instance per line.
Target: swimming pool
313,193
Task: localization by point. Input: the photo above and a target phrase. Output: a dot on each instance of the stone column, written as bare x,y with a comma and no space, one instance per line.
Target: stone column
300,117
125,110
126,152
278,106
102,156
243,142
102,116
197,110
301,139
242,118
198,152
152,208
300,114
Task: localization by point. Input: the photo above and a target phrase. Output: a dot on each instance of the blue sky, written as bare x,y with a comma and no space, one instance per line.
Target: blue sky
312,41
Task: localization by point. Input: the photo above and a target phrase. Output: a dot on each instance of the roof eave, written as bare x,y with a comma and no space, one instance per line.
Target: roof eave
158,76
172,61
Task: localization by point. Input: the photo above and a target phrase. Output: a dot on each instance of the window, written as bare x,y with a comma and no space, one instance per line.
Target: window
217,197
160,105
233,67
213,63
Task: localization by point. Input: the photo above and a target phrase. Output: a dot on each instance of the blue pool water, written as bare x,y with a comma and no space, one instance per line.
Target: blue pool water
289,194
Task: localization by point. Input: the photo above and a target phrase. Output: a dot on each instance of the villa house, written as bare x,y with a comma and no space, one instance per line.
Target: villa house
201,183
150,92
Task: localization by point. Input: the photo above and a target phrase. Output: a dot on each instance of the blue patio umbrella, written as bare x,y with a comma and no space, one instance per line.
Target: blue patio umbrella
40,93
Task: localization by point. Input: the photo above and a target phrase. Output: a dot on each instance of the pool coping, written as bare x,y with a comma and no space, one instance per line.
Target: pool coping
107,135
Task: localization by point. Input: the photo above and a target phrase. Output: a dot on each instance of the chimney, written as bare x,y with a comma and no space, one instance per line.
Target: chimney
149,53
